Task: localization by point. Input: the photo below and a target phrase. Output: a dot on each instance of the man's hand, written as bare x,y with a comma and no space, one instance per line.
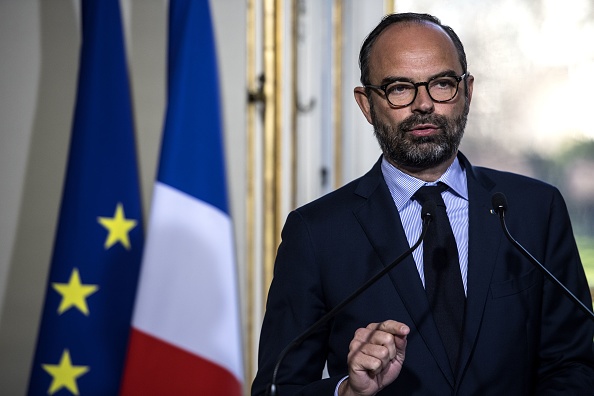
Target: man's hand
376,355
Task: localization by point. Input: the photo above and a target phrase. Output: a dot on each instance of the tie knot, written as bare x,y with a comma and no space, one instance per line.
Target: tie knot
431,193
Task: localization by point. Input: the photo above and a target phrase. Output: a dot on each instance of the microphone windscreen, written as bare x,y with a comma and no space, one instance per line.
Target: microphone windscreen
499,202
428,209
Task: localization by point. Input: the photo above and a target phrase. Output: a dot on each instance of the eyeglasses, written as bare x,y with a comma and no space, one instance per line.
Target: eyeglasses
403,93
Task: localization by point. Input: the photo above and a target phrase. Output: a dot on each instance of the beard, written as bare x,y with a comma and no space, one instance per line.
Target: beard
420,152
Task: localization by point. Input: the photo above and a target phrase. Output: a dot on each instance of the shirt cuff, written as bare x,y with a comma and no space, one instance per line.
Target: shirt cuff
338,385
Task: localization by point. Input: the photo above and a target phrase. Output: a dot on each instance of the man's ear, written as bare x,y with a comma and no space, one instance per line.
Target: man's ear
470,82
363,102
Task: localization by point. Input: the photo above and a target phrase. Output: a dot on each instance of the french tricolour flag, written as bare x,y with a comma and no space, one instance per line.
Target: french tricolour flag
186,329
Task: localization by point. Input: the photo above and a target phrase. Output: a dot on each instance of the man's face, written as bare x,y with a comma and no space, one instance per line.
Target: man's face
405,148
424,134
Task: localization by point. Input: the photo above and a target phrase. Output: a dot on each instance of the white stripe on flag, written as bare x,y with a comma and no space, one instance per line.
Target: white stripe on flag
187,291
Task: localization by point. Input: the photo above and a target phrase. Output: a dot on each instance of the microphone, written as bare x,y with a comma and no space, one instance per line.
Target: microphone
427,215
499,203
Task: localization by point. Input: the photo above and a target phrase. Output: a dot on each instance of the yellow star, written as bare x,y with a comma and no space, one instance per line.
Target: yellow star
74,293
64,374
118,227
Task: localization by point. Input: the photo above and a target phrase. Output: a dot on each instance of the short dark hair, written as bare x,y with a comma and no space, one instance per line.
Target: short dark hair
409,17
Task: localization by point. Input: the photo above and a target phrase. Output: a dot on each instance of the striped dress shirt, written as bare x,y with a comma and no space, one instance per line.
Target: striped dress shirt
402,187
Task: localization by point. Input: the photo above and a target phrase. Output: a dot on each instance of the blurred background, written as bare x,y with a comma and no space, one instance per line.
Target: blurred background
292,129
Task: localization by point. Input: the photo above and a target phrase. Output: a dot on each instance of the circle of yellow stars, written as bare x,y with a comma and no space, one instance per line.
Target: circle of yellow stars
74,295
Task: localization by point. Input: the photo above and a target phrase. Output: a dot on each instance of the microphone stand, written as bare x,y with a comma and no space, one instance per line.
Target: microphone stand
427,213
500,208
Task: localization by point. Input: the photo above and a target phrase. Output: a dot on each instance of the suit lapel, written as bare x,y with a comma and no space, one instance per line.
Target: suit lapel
381,223
484,235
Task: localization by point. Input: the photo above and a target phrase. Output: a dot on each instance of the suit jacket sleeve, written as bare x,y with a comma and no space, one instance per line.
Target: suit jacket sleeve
295,301
566,362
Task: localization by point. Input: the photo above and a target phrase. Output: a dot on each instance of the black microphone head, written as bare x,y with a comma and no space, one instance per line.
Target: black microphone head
499,202
428,210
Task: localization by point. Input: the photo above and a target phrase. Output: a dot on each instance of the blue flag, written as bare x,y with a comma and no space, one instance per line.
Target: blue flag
192,148
92,281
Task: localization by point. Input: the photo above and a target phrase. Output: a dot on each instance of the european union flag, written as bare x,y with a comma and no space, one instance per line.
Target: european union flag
93,276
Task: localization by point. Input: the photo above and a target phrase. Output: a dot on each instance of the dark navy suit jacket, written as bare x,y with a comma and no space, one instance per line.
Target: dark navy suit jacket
522,336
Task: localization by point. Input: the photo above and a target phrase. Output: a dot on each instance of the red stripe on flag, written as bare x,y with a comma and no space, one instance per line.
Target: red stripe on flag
155,367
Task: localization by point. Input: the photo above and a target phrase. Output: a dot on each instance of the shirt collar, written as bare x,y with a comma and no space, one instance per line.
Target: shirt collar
403,186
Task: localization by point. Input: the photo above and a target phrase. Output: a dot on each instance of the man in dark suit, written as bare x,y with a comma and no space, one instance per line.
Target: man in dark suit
516,333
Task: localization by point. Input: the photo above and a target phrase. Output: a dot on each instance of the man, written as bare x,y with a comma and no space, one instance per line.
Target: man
506,331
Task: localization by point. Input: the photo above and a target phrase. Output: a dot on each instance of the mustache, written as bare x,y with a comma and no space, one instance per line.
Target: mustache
412,121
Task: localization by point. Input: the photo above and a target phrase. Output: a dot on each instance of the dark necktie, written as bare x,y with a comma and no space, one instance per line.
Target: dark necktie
443,281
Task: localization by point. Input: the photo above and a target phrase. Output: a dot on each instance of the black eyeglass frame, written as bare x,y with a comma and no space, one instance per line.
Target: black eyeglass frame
384,87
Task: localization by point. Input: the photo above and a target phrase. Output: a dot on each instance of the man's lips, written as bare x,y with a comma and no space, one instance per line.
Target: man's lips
424,129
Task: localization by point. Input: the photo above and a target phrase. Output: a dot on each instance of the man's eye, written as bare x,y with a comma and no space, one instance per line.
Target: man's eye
399,88
445,83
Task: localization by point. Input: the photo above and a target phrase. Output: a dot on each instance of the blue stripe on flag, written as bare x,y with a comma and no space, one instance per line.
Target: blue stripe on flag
192,148
94,270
